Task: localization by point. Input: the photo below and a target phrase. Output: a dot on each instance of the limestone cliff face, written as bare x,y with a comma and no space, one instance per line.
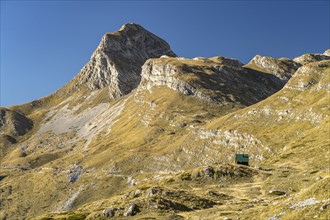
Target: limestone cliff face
156,72
216,79
117,61
282,68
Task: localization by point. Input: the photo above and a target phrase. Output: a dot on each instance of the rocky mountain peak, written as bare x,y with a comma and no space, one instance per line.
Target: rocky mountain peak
132,36
131,26
117,61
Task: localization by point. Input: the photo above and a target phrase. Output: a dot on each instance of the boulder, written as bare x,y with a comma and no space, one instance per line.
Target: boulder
109,212
132,209
276,192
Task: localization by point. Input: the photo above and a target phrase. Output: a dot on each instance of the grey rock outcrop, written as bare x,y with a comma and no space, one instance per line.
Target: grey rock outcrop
276,192
117,61
282,68
109,212
132,209
156,73
69,203
209,171
309,58
74,173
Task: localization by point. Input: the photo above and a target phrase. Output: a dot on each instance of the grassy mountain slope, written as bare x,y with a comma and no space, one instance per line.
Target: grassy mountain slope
160,153
166,149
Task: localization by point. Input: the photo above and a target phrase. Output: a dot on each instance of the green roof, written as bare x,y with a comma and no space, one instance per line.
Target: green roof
242,157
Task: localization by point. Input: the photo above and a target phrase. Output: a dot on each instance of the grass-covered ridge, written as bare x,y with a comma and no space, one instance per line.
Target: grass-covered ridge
158,153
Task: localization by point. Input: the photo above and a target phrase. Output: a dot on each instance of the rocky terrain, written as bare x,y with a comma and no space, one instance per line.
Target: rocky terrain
120,53
217,79
140,133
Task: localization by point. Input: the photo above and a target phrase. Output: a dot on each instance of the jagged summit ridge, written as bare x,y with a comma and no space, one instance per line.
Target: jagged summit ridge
117,61
131,37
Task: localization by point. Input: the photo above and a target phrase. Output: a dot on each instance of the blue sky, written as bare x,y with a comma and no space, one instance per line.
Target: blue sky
44,44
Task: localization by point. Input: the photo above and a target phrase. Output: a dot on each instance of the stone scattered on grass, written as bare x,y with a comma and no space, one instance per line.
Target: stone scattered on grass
152,191
325,206
69,203
319,178
307,202
109,212
132,209
209,171
276,192
74,173
22,154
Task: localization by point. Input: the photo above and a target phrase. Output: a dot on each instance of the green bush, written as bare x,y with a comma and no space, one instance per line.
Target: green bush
185,176
76,217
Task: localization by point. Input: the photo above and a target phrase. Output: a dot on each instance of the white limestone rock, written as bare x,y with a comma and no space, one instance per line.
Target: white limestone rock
154,73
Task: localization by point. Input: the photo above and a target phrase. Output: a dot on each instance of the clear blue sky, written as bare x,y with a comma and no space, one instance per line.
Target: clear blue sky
44,44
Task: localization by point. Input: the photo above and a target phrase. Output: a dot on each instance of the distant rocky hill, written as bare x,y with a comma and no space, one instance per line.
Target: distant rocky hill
140,133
